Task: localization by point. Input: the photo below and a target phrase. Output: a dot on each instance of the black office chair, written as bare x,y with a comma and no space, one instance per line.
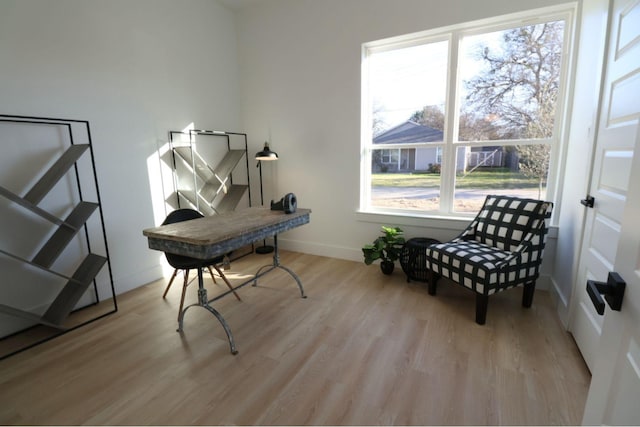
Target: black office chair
180,262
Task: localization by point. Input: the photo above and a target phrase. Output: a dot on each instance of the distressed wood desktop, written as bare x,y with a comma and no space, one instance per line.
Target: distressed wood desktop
211,236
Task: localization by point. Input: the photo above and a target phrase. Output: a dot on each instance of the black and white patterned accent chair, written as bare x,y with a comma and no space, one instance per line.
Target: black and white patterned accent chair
500,249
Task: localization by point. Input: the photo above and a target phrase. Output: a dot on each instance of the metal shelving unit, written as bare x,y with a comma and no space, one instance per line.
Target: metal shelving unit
208,189
205,163
65,231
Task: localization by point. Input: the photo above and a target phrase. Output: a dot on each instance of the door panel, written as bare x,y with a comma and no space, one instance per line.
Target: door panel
615,172
628,380
587,330
628,28
624,103
604,241
613,156
615,360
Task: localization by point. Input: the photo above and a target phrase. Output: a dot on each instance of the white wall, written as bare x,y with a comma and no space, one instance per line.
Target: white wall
580,142
300,72
135,69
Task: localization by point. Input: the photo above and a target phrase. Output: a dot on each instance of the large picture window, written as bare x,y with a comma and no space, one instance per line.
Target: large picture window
451,116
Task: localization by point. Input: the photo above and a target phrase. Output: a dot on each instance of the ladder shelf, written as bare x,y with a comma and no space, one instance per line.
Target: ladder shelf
75,166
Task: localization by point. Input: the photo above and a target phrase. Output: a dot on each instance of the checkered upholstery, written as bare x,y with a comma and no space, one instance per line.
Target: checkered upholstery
501,248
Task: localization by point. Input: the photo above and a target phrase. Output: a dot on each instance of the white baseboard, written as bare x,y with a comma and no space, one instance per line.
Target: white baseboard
137,279
561,302
321,250
544,282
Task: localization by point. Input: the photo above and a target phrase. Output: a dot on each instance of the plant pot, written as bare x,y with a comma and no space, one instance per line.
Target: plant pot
387,267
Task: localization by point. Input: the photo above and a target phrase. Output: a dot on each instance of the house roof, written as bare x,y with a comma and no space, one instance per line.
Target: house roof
407,133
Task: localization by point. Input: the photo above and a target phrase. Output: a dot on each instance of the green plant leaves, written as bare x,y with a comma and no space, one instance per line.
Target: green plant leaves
386,247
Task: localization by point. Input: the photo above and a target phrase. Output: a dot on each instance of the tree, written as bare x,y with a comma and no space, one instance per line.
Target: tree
471,128
430,115
378,124
534,162
519,86
518,90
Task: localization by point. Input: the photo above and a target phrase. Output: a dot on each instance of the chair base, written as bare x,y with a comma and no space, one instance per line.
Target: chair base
187,282
432,279
527,294
482,301
264,249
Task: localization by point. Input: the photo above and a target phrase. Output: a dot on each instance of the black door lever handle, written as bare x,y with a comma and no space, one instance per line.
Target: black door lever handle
613,291
589,201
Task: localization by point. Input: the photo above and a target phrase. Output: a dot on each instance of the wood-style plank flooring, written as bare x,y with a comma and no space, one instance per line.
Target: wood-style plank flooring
362,349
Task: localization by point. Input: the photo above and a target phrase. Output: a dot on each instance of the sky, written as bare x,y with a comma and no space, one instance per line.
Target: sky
403,81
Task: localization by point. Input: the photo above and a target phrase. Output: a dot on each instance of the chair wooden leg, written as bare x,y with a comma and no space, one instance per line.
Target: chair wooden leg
184,291
527,294
173,276
433,282
225,280
212,276
482,301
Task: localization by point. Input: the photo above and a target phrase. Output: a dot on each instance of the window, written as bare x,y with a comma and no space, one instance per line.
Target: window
452,115
389,157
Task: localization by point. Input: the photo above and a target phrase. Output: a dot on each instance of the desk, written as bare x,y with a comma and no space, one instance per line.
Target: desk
211,236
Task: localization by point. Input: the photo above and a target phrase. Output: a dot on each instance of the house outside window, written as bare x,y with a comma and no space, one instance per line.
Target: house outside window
452,115
393,160
388,157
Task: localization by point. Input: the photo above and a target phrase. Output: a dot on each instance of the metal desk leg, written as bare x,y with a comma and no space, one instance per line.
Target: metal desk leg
276,264
203,301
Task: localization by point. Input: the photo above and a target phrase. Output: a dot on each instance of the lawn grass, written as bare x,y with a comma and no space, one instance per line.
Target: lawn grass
478,179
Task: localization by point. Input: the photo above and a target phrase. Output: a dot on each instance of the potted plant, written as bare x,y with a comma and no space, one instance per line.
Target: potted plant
386,248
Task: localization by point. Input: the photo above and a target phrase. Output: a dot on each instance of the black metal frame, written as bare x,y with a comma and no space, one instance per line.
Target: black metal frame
68,124
192,134
413,259
264,249
203,299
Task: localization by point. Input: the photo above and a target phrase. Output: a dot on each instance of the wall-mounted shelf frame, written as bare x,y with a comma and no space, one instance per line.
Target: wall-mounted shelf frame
204,165
74,305
212,189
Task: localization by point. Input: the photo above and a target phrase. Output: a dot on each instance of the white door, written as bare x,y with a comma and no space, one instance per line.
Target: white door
598,252
612,234
610,185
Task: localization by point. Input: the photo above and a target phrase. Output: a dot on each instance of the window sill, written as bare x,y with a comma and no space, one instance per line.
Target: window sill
457,223
415,220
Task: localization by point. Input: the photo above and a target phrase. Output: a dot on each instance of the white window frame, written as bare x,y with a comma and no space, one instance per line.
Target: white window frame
453,35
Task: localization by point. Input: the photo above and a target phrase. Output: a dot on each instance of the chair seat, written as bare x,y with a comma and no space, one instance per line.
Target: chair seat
187,263
472,264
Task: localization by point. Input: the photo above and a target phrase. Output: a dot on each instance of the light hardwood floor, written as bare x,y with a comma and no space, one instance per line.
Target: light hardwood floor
362,349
